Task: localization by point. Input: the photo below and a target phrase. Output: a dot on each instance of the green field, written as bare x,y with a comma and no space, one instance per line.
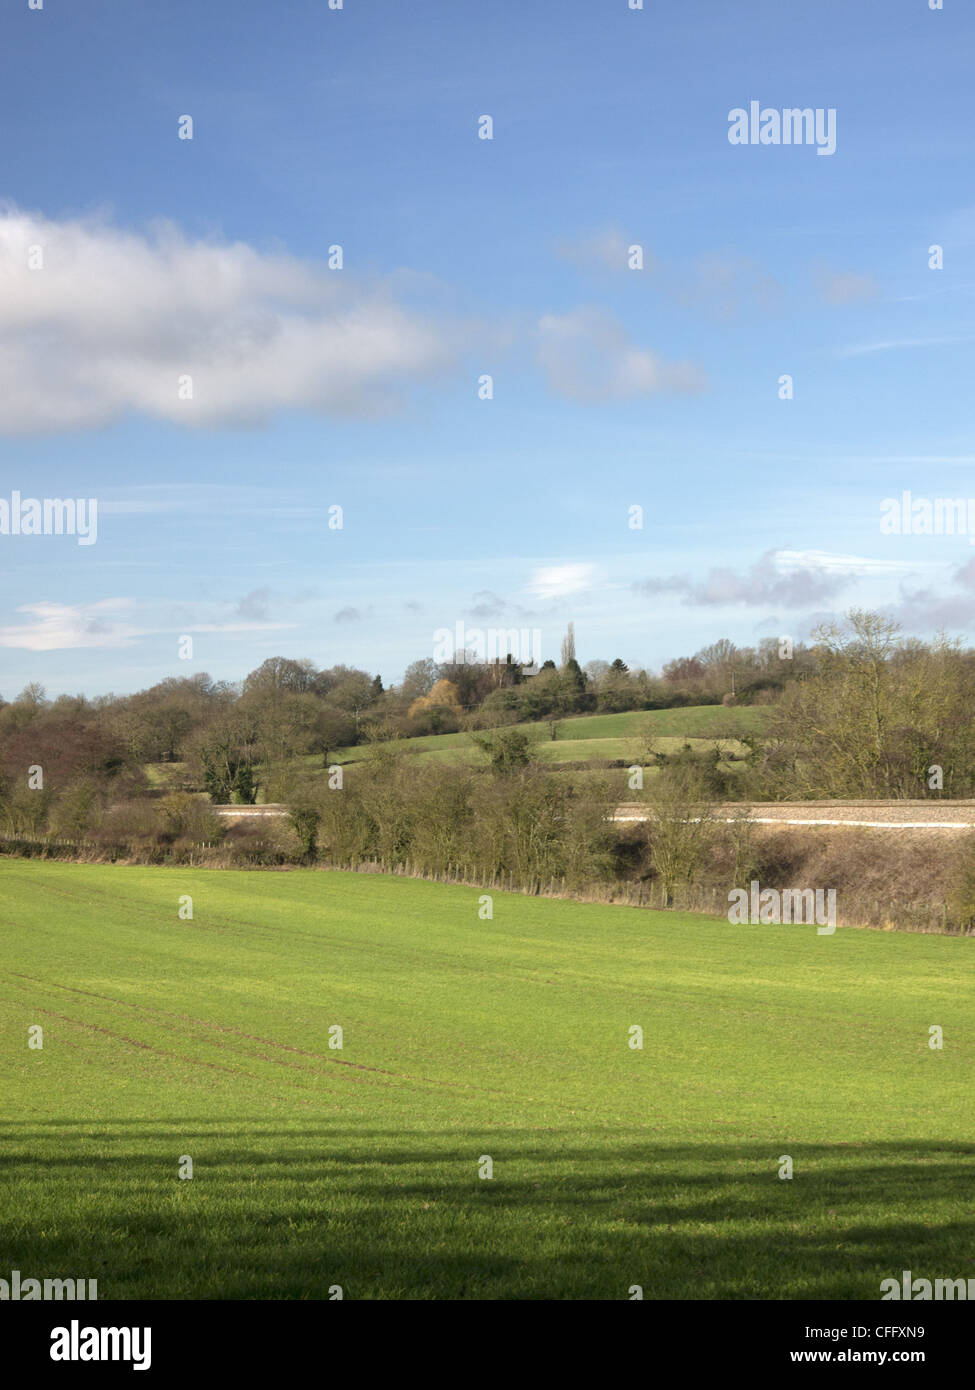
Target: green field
581,738
692,721
546,750
602,737
463,1039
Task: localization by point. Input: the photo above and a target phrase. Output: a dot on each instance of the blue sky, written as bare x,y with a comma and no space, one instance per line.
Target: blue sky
461,257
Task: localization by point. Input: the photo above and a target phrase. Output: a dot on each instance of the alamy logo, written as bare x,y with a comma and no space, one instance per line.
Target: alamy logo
523,645
789,905
921,1290
50,516
76,1343
23,1290
793,125
928,516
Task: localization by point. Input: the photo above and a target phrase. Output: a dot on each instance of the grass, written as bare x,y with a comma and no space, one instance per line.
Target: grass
600,736
466,1038
547,750
581,738
693,721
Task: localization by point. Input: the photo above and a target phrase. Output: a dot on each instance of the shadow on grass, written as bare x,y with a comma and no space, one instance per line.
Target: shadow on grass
275,1211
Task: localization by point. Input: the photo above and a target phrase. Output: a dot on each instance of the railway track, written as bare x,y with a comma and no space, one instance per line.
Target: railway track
874,815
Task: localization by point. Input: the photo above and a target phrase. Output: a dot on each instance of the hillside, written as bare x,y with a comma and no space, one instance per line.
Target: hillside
605,737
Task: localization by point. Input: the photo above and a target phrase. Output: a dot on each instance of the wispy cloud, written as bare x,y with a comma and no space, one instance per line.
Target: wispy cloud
895,344
825,560
725,284
237,627
716,282
601,250
55,626
587,356
121,622
841,287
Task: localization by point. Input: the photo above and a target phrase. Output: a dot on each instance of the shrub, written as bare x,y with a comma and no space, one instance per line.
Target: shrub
509,749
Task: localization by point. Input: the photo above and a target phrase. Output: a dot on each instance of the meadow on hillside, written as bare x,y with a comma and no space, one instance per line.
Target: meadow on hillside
601,737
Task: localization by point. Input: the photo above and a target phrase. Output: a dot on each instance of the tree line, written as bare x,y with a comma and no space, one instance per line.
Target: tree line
860,712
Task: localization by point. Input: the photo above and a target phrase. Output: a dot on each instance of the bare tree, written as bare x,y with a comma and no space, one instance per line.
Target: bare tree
682,826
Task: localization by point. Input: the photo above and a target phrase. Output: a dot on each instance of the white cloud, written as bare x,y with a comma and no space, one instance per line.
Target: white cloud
559,581
114,319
